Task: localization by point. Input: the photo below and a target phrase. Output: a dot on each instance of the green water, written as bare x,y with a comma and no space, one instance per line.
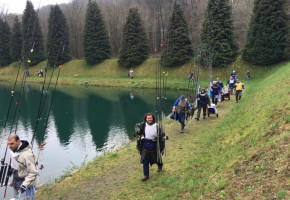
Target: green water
83,124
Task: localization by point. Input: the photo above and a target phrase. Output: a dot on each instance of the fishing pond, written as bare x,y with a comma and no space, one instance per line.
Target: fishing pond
84,122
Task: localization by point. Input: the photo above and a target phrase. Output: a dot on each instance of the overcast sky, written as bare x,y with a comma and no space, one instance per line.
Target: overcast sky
18,6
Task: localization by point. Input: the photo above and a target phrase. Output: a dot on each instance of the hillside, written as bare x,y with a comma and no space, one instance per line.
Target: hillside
110,74
243,154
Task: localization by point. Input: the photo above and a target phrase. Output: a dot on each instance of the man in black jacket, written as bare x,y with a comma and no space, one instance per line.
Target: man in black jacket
202,101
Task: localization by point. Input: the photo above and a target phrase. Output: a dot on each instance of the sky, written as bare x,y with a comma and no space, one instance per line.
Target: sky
18,6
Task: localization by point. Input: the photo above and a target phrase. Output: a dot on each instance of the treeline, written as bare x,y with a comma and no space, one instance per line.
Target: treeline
131,30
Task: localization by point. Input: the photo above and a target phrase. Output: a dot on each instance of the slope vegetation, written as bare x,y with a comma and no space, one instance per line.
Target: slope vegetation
243,154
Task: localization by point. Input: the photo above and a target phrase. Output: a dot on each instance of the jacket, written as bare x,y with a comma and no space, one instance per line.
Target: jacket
203,99
26,165
220,83
181,108
215,89
231,83
239,86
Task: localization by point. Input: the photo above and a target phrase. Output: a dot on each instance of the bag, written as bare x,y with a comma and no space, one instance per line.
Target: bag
149,145
174,116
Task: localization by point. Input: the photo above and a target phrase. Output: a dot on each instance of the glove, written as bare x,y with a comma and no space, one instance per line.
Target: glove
22,189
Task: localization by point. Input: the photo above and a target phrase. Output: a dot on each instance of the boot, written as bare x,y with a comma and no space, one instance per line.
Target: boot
182,129
203,117
145,178
159,169
197,118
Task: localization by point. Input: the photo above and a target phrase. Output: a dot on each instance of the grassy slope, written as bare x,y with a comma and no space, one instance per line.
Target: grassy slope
109,73
243,154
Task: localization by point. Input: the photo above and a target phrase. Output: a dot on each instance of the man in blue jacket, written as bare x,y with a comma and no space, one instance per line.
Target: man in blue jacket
231,84
215,90
180,107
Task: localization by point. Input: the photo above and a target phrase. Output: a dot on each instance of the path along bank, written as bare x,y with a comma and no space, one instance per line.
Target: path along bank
243,154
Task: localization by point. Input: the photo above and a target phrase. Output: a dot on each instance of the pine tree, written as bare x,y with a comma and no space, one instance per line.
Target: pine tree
134,48
32,36
217,32
266,38
178,47
57,37
287,49
16,41
4,43
96,40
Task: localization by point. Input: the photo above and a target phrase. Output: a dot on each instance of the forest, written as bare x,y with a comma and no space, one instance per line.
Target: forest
155,15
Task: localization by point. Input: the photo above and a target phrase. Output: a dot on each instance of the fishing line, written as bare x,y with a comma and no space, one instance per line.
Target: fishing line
50,106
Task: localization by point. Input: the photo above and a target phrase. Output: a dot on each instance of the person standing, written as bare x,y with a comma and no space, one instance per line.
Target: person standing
215,91
231,84
150,153
248,75
180,107
221,85
41,72
131,74
239,90
191,77
27,170
233,74
202,101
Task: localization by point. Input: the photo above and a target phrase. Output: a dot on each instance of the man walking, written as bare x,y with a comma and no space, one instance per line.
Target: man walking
215,91
180,107
152,134
239,90
202,101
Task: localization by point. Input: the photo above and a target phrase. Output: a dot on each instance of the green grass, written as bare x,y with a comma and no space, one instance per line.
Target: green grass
243,154
110,74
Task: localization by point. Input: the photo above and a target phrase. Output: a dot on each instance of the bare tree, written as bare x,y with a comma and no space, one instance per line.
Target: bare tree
155,14
115,12
75,13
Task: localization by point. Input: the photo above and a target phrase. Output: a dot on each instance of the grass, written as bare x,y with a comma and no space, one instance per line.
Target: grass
243,154
110,74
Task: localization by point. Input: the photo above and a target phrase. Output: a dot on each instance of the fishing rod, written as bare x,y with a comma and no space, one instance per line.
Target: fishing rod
14,85
6,169
50,106
42,102
23,83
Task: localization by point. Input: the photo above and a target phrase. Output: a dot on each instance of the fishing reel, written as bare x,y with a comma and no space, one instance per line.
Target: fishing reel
5,173
138,127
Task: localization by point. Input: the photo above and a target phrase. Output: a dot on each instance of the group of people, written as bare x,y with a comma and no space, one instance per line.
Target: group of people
235,84
149,129
151,142
181,106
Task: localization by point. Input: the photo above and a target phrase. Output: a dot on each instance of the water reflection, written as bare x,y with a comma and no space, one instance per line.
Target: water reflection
84,122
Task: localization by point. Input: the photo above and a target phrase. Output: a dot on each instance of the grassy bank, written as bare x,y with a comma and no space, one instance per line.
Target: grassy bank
243,154
110,74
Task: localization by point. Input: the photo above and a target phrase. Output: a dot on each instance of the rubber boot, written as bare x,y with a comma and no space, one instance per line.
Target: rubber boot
182,129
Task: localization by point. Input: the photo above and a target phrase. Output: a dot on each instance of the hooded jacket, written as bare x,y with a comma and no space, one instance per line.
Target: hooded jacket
26,165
